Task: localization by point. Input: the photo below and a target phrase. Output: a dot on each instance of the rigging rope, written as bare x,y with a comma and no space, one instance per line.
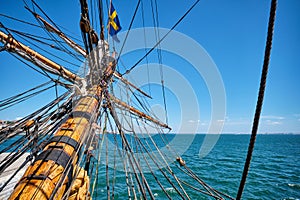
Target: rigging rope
130,154
48,32
173,27
124,161
27,140
100,8
145,49
10,35
48,52
106,168
29,35
260,96
161,68
13,102
18,95
27,54
131,161
20,20
129,28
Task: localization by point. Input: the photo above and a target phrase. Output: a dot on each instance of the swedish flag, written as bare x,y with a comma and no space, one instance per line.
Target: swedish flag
113,22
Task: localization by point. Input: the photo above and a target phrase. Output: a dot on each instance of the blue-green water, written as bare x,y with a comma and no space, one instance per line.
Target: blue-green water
274,172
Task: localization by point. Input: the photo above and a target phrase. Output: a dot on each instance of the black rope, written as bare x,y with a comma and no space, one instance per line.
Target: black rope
43,72
71,161
157,162
260,97
131,158
139,143
159,54
45,14
106,169
28,158
120,154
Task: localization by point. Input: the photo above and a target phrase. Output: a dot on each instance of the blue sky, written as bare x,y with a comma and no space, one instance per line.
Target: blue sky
232,32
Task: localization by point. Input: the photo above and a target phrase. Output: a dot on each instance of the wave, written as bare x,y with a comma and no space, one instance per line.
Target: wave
293,185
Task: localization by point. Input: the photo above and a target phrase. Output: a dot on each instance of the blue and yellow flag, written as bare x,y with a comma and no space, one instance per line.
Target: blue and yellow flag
113,22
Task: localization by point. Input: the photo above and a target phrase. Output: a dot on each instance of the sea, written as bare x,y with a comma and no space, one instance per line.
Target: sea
274,171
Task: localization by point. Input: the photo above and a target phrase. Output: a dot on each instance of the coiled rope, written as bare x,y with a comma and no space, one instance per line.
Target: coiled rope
260,97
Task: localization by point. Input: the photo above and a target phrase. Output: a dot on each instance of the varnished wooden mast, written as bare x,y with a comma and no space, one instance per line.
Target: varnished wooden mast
44,174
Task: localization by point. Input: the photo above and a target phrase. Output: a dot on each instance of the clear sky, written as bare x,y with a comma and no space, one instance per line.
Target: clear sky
233,33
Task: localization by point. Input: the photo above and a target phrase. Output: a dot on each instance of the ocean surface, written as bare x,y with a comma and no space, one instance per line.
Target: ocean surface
274,171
